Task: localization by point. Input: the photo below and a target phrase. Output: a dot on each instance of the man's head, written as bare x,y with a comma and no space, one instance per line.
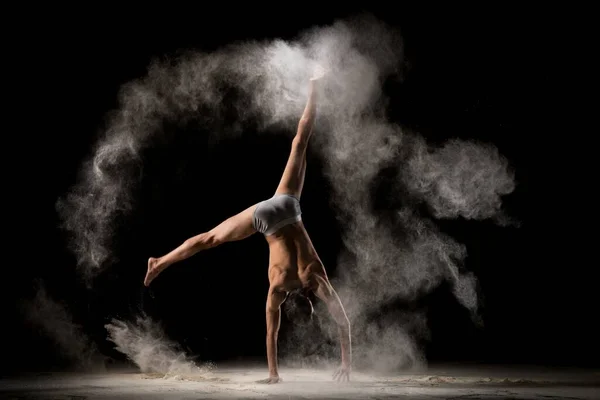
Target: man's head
298,307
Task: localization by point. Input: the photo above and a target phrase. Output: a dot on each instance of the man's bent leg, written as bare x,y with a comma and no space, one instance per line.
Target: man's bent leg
232,229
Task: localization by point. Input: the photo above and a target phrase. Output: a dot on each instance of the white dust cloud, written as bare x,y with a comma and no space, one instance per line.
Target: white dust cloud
460,179
145,343
401,256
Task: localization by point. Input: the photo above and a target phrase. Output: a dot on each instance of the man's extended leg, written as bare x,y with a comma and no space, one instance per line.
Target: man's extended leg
292,179
235,228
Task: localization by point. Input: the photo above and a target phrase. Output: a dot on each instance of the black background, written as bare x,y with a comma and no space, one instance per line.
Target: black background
474,74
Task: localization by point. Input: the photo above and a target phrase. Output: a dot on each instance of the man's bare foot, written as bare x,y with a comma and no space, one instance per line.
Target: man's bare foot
153,271
270,380
318,73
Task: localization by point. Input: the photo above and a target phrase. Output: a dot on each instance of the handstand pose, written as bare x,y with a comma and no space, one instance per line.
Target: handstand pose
293,263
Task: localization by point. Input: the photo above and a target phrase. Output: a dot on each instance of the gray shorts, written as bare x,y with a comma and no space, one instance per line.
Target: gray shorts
275,213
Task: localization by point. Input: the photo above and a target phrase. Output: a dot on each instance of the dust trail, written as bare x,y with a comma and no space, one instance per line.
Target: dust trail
460,179
397,254
145,343
271,79
401,254
53,318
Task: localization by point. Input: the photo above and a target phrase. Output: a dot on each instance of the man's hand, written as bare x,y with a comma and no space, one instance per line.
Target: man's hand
270,380
342,374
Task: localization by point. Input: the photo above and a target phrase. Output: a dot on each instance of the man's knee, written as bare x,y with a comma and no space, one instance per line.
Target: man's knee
213,238
204,241
300,142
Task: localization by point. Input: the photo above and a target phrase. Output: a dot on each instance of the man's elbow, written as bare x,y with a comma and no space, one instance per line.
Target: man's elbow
347,324
343,323
272,332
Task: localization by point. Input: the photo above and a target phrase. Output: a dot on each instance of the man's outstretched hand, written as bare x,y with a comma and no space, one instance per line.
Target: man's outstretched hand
342,374
270,380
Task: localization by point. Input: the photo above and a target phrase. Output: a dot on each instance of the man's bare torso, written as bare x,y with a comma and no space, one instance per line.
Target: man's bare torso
293,261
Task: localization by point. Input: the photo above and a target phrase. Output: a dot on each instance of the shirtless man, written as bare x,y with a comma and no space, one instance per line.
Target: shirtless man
293,262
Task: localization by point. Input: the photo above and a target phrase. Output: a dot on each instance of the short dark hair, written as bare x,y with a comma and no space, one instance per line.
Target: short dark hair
298,307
